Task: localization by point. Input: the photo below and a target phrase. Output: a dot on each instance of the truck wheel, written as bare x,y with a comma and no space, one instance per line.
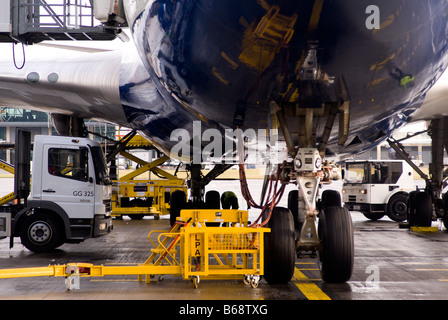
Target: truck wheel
279,247
177,203
397,208
40,233
336,254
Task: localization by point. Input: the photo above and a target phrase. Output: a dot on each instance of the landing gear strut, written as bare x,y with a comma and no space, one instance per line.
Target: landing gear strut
428,204
198,198
325,231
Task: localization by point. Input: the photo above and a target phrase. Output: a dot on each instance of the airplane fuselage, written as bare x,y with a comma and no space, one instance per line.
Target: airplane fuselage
221,63
212,60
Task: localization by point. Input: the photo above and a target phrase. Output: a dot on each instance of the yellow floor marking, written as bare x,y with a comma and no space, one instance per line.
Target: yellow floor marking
114,280
309,269
420,263
309,289
430,269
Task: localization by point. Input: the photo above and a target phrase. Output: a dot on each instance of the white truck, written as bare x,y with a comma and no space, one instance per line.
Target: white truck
69,198
378,187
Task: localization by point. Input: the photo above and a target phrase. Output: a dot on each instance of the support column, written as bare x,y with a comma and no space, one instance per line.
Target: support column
437,131
197,191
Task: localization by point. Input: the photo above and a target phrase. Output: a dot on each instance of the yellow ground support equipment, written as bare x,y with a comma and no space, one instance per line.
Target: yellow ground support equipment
159,191
9,168
189,249
138,198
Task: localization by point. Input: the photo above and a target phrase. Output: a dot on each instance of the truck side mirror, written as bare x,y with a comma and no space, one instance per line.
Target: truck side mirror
90,179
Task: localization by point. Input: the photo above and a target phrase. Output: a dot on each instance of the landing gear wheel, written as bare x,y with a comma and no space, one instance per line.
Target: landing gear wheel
336,254
212,201
445,214
331,198
279,247
40,233
411,208
423,209
293,206
397,208
177,203
229,200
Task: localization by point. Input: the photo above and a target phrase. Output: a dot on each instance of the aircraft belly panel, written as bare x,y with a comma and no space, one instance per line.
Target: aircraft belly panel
209,60
222,62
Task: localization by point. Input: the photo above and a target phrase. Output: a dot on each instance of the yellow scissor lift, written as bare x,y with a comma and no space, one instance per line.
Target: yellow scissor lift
190,250
9,168
127,187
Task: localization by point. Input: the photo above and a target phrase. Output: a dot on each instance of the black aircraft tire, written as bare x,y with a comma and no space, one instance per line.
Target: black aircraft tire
293,206
229,200
331,198
445,214
212,201
411,208
336,255
423,209
279,247
177,203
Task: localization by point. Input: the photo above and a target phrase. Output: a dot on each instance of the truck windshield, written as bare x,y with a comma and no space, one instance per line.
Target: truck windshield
385,172
100,166
355,173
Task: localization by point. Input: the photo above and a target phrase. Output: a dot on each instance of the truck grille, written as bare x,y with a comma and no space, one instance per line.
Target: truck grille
108,205
351,198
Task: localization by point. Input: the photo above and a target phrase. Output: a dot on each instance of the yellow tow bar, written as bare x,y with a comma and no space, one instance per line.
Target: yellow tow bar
191,249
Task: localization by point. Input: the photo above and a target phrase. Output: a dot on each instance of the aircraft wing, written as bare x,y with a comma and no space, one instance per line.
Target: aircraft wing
435,104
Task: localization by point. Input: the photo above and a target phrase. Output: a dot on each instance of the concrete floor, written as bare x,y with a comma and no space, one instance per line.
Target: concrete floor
390,264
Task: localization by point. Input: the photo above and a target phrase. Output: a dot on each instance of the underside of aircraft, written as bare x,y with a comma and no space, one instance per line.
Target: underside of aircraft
201,77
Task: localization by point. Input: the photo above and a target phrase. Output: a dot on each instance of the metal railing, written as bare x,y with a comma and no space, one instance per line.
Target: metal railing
38,20
69,14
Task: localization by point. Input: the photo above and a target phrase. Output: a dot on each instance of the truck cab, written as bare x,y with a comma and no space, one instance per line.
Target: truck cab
70,195
377,188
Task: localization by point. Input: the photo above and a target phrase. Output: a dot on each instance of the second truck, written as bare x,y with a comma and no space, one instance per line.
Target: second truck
378,188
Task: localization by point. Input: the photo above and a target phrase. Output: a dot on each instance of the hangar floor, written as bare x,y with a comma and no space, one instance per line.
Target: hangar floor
390,264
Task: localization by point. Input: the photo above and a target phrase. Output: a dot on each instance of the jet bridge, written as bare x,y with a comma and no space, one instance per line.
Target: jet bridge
33,21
